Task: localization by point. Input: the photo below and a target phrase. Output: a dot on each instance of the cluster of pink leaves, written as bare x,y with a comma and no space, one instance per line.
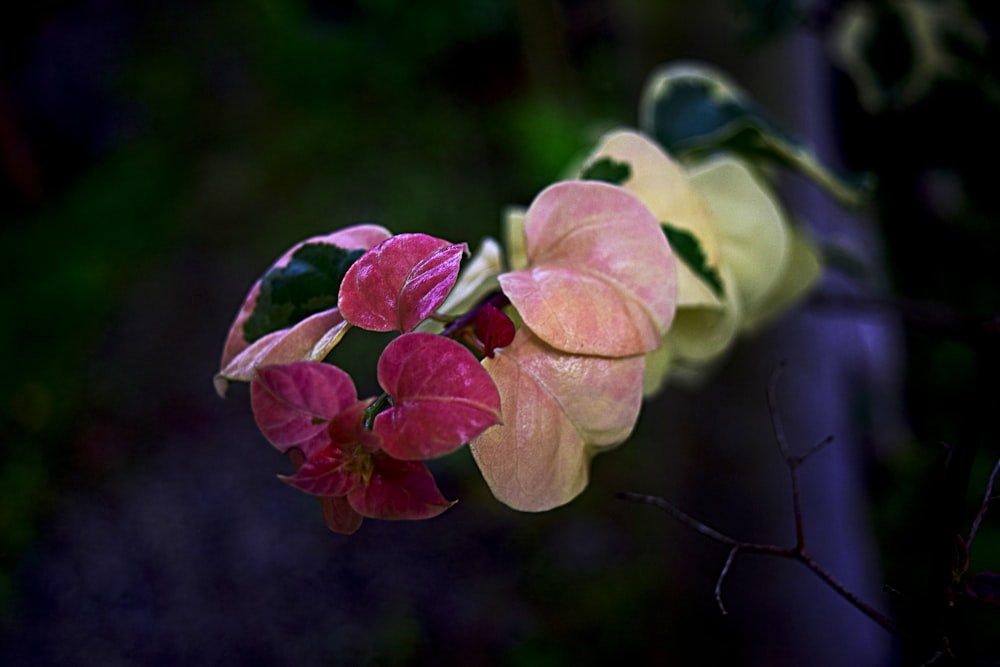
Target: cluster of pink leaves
364,457
598,293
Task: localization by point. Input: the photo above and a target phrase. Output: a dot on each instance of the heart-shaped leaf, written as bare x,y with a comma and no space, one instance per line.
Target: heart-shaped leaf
441,395
398,490
350,238
292,403
559,410
399,282
601,278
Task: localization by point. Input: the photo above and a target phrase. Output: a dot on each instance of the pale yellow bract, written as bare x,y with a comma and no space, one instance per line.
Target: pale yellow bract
763,262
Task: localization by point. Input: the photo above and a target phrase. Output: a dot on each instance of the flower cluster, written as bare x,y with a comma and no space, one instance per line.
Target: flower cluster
634,270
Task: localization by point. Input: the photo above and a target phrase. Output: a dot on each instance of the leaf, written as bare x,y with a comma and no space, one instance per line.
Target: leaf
694,111
802,272
309,340
688,248
324,473
601,278
442,397
754,237
354,237
559,410
307,284
292,402
398,490
607,170
493,328
399,282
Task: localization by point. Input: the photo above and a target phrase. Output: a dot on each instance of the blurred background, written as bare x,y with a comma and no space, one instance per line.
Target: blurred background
155,159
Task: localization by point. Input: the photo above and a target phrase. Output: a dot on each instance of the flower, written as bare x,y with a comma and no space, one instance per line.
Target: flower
747,263
363,457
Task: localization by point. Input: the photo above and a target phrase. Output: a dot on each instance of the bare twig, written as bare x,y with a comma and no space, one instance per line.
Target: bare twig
988,497
798,552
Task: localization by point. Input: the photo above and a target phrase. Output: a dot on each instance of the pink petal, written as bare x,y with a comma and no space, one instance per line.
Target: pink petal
292,402
399,282
441,395
559,410
323,473
399,490
357,237
601,278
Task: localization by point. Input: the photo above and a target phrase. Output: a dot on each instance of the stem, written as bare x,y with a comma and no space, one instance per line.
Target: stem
796,553
383,402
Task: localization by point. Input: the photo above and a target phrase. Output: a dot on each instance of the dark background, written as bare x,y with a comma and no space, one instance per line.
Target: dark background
155,159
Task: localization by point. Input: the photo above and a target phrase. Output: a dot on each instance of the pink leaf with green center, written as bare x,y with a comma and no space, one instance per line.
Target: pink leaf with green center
601,278
559,410
357,237
493,328
441,395
292,403
398,283
398,490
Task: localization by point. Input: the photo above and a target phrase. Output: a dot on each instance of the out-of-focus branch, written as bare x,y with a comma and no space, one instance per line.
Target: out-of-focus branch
798,552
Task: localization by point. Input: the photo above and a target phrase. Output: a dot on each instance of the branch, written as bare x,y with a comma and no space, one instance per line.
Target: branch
987,498
798,552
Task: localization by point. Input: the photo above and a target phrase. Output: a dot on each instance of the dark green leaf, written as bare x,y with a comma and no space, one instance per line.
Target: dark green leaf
308,284
694,111
686,246
607,170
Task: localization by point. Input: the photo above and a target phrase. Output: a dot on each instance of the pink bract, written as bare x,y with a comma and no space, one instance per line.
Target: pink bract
311,411
442,397
601,278
399,282
559,410
292,403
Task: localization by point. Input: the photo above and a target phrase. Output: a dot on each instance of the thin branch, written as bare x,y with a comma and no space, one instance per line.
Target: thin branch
722,576
987,498
798,552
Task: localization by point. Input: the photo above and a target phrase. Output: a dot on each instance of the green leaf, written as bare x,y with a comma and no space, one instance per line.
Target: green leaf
607,170
687,246
308,284
694,111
